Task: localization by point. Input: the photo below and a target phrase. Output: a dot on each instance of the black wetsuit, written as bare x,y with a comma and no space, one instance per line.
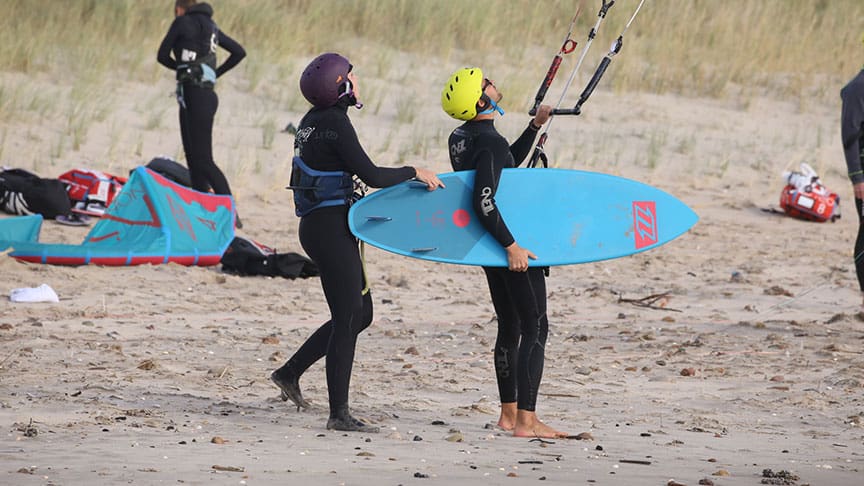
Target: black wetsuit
326,141
519,298
852,133
195,32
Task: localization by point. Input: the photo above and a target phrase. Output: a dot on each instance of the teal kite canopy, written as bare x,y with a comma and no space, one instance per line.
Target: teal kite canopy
152,220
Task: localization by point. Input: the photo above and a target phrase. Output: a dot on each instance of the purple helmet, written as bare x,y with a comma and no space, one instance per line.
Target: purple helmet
324,78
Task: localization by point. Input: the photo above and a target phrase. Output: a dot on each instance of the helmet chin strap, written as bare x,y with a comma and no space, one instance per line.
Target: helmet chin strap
492,107
349,91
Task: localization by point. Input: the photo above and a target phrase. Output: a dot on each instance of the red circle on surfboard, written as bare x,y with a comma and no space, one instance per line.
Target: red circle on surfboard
461,218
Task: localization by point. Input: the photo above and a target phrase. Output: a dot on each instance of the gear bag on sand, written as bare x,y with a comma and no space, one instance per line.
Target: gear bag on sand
805,197
247,257
91,191
23,193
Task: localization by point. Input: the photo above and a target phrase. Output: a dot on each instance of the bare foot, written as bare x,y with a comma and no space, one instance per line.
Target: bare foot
507,420
528,425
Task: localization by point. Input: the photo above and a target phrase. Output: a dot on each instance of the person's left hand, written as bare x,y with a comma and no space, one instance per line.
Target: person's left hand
543,114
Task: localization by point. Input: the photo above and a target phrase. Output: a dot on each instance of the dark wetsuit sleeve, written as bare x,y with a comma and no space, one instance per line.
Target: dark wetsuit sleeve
357,162
237,53
522,145
852,128
163,56
486,179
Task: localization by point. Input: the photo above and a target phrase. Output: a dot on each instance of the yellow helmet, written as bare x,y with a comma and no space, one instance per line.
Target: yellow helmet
461,93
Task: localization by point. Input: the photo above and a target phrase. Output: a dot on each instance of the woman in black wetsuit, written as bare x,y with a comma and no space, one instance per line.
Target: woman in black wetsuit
518,292
327,156
192,39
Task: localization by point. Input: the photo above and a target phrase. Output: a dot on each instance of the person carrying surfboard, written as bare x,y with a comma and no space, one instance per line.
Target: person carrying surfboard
328,155
852,133
518,292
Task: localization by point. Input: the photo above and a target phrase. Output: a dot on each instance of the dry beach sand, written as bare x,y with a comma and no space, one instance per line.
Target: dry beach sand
749,359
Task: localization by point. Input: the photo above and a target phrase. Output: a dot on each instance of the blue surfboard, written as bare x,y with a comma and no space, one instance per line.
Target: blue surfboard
563,216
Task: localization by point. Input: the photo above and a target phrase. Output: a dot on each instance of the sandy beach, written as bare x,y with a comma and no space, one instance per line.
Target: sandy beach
746,368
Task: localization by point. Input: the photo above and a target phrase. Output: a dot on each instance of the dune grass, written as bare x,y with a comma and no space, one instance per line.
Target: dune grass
698,47
736,50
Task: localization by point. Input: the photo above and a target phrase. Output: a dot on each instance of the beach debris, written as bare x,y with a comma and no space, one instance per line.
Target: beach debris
688,372
736,277
706,482
5,326
641,462
25,470
721,472
455,436
672,482
417,438
581,436
653,301
420,475
512,474
147,365
365,454
217,467
395,280
28,430
271,339
42,293
778,290
412,350
438,422
577,337
782,477
218,440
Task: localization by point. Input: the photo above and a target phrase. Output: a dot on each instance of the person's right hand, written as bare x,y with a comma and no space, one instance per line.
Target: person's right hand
517,258
859,190
429,177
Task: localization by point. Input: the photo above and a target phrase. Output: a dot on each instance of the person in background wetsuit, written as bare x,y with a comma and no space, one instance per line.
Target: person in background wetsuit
327,156
852,134
518,292
192,38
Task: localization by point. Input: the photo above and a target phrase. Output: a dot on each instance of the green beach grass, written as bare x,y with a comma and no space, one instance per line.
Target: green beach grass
690,47
69,65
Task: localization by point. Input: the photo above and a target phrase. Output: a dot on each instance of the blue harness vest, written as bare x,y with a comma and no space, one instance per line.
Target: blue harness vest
315,189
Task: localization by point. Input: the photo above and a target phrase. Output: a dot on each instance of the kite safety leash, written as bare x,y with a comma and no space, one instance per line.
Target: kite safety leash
568,46
539,155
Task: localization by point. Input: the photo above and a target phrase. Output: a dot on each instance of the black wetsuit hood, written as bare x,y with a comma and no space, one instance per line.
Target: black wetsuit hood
202,8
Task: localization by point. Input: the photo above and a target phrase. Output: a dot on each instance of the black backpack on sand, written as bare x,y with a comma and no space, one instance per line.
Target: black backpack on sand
23,193
246,257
